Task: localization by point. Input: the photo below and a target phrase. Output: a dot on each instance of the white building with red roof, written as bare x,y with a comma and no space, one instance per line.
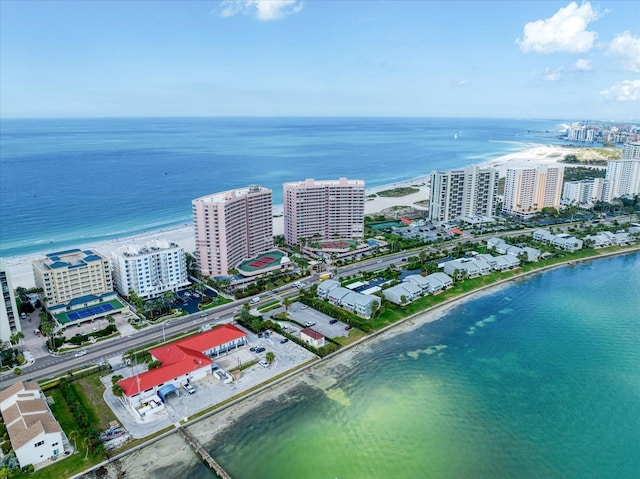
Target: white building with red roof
182,362
312,337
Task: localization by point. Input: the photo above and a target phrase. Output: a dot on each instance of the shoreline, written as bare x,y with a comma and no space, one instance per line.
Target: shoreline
225,416
20,269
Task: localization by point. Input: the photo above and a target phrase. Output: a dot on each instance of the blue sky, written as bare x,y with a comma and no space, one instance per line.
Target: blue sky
524,59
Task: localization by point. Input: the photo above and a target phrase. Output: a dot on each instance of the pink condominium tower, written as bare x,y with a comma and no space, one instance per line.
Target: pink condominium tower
322,210
232,226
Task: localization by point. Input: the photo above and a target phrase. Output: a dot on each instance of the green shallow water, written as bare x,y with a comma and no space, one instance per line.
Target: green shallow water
538,379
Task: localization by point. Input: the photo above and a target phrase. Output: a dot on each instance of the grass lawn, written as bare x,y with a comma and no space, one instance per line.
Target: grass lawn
90,390
354,335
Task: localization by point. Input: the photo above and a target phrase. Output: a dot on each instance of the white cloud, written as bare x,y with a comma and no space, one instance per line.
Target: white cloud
565,31
627,90
583,65
460,83
626,47
552,75
265,10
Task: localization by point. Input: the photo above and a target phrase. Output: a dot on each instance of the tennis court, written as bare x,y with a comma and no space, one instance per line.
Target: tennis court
262,261
88,312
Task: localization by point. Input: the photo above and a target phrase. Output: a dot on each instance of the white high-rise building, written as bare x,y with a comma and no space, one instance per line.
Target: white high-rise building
232,226
68,275
528,190
623,176
327,209
9,314
458,193
585,192
149,270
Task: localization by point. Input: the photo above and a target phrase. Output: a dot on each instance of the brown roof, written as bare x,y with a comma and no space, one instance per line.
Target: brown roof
26,418
20,434
312,333
30,426
10,414
30,406
16,388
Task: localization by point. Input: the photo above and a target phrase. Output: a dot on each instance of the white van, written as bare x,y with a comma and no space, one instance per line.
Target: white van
255,300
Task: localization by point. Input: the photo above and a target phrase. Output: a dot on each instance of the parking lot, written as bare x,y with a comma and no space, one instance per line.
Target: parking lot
321,322
210,391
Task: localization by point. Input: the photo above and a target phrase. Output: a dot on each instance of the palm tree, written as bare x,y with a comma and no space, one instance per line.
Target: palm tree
286,302
72,436
270,357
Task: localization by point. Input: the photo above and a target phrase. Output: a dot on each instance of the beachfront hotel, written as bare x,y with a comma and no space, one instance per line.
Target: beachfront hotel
231,226
9,314
471,191
528,190
323,210
149,270
623,175
73,278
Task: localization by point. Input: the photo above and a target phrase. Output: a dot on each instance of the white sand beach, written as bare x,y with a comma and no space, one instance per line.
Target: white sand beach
20,267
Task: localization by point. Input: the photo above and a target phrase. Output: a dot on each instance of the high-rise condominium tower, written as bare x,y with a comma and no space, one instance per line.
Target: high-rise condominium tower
528,190
467,192
320,210
232,226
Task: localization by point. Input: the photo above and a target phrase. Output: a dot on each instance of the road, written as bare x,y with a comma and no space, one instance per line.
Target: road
52,365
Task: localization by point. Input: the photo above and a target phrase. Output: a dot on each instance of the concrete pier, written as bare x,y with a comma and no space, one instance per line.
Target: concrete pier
203,453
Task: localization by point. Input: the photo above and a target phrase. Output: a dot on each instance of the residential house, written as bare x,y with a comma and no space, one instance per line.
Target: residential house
312,337
34,433
407,290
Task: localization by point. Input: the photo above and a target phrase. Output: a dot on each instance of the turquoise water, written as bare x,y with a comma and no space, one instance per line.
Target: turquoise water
538,379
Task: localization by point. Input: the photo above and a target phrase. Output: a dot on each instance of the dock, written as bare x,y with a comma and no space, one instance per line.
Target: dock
203,453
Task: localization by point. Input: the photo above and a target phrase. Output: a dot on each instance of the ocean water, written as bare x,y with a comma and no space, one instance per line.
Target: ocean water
540,379
66,182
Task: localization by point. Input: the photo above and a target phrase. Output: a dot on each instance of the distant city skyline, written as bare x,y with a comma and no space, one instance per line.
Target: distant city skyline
511,59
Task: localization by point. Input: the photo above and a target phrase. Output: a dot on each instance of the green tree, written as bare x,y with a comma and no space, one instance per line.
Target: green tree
287,302
270,357
16,337
117,390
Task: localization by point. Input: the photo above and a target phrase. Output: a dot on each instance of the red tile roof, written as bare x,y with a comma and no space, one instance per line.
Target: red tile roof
406,221
181,357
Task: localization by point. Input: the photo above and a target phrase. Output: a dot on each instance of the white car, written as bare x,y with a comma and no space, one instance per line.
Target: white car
264,364
80,353
189,388
308,324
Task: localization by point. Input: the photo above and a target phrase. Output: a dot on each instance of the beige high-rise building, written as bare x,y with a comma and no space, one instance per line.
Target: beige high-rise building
468,192
528,190
9,314
68,275
232,226
324,209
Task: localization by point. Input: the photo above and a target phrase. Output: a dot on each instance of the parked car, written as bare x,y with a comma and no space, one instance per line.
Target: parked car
308,324
284,340
189,388
260,349
252,348
264,364
348,327
333,321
